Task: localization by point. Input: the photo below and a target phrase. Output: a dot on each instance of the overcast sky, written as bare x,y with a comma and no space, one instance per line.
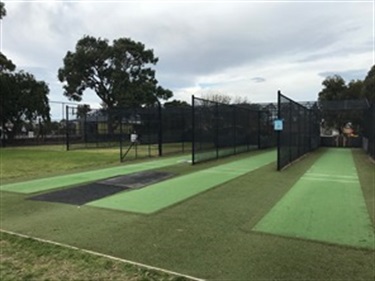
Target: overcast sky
238,48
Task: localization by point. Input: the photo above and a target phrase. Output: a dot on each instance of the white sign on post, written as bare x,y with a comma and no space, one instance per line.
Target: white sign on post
133,137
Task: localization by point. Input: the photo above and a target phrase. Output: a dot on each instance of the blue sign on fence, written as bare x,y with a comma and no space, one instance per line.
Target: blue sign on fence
278,125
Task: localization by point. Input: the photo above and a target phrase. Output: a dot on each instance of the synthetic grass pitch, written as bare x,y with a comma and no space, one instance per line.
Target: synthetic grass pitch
93,191
43,184
161,195
326,204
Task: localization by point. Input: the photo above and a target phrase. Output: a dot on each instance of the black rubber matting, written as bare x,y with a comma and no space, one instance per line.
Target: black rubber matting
79,195
83,194
137,180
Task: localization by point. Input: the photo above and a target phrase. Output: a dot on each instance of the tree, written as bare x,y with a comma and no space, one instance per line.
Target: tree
241,101
334,88
3,12
335,113
82,110
24,99
120,74
353,90
368,89
217,97
6,65
176,103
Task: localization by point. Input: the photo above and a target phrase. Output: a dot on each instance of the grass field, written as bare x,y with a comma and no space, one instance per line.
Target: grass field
27,259
209,236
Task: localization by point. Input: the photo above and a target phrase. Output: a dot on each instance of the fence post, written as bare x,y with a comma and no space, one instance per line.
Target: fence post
217,129
259,130
278,132
234,130
121,134
160,140
193,131
67,127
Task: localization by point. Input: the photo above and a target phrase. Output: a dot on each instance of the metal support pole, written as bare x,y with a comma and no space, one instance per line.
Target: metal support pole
193,130
278,132
67,128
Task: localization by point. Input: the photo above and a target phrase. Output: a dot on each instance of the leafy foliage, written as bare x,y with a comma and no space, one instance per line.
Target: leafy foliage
6,65
176,103
23,99
368,89
217,97
3,12
335,91
120,74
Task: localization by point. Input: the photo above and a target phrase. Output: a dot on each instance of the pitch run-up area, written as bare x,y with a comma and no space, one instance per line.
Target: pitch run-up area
119,188
164,194
93,191
50,183
326,204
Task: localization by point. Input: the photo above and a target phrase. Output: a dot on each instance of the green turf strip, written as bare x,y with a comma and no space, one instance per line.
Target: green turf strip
161,195
326,204
78,178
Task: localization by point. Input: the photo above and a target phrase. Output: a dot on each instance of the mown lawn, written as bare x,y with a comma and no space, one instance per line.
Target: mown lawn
27,259
208,236
19,164
24,163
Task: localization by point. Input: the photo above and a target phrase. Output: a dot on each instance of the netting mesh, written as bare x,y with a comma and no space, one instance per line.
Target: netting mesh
158,130
176,129
369,131
300,133
220,129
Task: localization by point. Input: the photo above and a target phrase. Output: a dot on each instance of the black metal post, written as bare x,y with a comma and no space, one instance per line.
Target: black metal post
193,131
160,130
278,132
121,134
259,130
67,127
217,129
234,131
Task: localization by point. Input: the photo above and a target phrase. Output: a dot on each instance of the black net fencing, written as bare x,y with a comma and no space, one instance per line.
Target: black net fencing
343,122
139,132
300,132
220,129
369,131
92,128
176,131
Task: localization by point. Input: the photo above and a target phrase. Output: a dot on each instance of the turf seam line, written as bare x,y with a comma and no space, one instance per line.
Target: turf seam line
103,255
330,180
330,176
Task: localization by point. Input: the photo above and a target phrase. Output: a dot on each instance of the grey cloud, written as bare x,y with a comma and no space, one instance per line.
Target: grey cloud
348,75
258,79
192,39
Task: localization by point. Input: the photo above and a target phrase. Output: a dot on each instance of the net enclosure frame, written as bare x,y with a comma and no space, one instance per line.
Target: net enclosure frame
300,131
158,130
369,131
221,130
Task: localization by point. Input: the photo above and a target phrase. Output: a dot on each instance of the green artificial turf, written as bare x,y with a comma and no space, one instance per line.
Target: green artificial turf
89,176
326,204
161,195
208,236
